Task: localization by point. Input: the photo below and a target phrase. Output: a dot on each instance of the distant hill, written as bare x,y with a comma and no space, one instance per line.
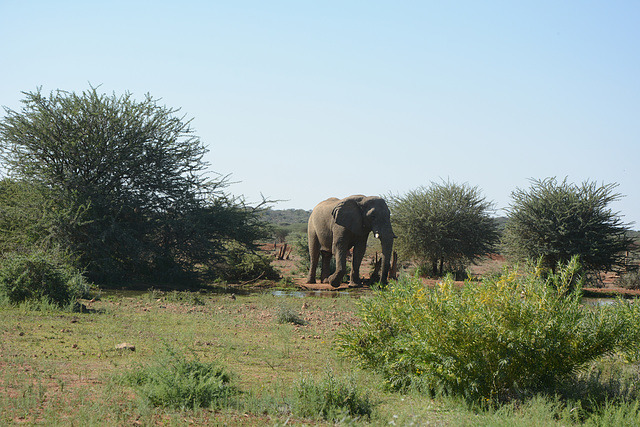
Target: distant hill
300,216
287,216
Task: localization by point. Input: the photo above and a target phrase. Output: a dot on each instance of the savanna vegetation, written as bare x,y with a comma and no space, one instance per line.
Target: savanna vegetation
121,187
509,350
506,337
555,221
287,222
101,190
443,227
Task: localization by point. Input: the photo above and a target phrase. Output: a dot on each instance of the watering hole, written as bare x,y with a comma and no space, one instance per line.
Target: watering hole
316,294
126,293
292,293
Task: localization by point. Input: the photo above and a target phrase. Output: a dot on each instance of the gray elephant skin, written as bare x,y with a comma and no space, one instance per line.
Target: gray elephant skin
335,226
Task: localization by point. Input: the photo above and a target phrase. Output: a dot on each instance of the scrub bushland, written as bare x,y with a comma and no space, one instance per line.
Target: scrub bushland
40,277
507,337
214,359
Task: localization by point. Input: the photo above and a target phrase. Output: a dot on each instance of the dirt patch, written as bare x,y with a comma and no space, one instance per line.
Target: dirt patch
289,268
612,291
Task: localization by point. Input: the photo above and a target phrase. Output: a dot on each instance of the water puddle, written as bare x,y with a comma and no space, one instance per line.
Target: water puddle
128,293
312,294
125,293
598,301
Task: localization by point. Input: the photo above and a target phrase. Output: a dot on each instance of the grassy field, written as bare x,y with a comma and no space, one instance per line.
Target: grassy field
61,368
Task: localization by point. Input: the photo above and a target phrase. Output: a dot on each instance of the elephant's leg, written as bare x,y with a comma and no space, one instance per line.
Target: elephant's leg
326,266
314,255
340,250
358,253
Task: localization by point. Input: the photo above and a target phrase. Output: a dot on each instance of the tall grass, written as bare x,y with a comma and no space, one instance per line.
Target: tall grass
506,337
331,398
288,315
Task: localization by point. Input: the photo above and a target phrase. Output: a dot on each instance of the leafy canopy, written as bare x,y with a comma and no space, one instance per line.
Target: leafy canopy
557,220
27,216
444,223
130,180
111,150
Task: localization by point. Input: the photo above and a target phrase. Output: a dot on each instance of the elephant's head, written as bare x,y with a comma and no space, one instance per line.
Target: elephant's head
362,215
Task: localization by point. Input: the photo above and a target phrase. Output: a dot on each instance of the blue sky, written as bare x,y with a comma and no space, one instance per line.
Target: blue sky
301,100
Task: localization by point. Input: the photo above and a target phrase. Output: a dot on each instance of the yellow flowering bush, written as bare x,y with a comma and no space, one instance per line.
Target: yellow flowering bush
511,334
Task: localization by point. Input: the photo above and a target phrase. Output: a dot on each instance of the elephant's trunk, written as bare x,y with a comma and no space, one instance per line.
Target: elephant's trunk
386,241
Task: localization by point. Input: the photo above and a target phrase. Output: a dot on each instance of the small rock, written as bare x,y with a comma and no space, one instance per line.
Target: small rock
125,346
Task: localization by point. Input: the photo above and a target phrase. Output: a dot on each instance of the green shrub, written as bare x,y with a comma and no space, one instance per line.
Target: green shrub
558,220
508,336
173,381
630,280
300,244
38,276
184,297
331,399
288,315
608,380
446,226
243,265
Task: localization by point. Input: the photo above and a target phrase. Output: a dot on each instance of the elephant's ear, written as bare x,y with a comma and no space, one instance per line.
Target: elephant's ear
348,214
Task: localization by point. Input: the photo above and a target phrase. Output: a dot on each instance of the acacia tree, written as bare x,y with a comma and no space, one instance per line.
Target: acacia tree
26,216
444,224
555,221
132,175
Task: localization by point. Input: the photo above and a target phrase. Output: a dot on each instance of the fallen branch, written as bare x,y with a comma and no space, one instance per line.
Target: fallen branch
252,280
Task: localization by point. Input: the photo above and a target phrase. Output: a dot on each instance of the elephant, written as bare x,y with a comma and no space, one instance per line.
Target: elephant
335,226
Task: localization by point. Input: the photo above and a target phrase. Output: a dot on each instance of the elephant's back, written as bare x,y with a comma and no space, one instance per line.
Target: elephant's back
331,201
322,213
324,206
